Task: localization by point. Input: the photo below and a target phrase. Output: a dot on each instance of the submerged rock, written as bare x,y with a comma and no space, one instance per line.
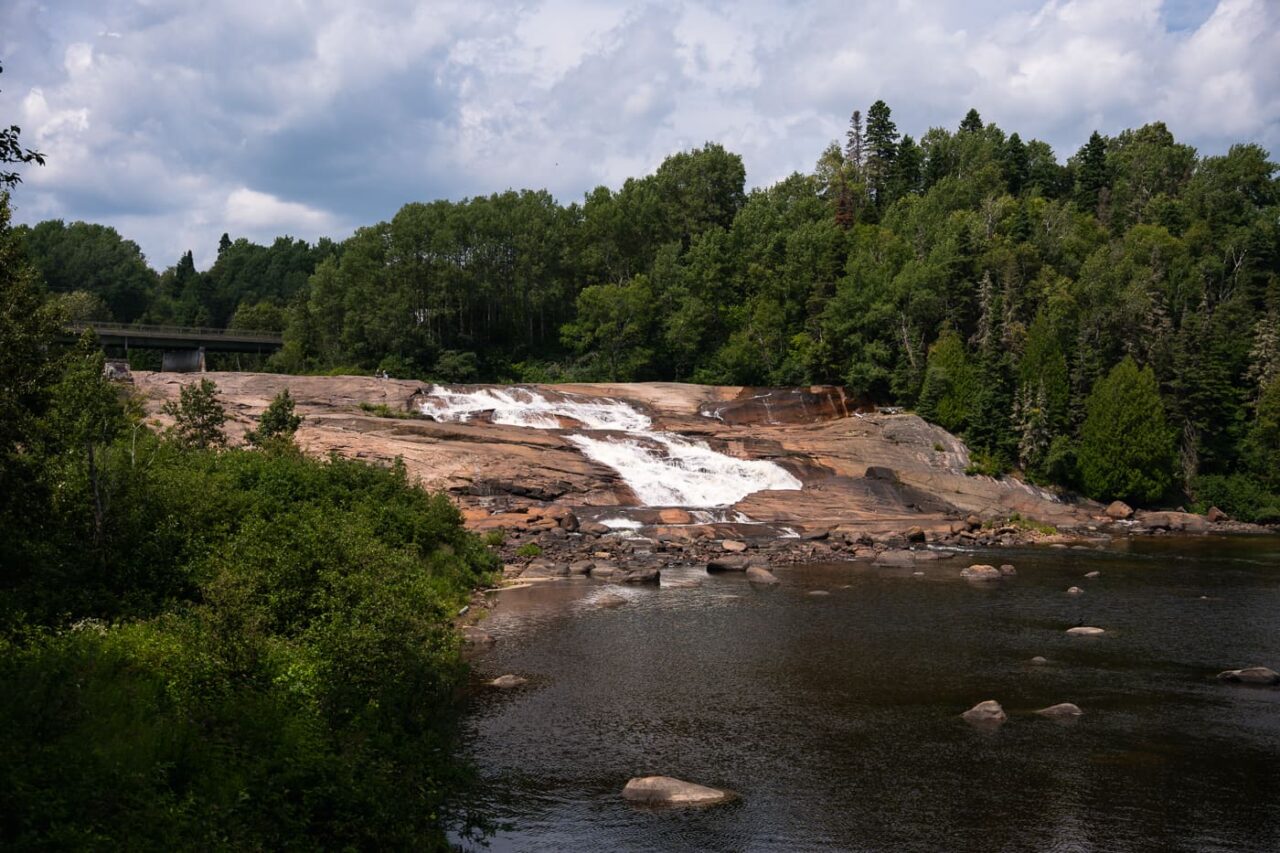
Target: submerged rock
1008,570
1085,631
1093,574
981,572
1075,590
727,564
668,791
1061,711
758,575
1251,675
988,713
507,681
642,574
610,600
581,567
1039,660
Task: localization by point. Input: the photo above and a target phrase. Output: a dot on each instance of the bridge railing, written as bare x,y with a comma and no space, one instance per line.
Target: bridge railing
186,331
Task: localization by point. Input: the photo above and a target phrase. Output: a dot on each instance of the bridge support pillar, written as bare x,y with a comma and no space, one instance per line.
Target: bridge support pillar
183,361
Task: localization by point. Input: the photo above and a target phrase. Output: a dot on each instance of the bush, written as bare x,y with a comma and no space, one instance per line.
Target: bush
276,666
1240,496
529,550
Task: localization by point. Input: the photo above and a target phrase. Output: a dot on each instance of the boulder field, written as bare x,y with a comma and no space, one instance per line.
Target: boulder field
872,481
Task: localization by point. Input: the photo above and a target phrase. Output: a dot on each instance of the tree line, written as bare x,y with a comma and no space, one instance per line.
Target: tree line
967,273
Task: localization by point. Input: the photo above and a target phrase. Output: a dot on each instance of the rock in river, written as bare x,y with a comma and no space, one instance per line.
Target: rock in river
734,545
1074,590
727,564
1251,675
506,681
988,713
758,575
1085,631
981,572
667,791
1061,711
610,600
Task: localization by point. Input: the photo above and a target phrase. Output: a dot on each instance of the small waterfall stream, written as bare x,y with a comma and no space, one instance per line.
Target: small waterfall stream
662,468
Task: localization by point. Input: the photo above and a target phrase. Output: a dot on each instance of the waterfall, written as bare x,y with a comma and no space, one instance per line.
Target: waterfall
663,469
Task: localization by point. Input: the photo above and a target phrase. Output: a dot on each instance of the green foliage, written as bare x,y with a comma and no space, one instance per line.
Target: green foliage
949,394
1240,496
494,538
382,410
277,424
198,416
529,550
1126,448
1261,452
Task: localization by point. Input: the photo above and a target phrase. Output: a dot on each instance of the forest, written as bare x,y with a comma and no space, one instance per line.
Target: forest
1110,324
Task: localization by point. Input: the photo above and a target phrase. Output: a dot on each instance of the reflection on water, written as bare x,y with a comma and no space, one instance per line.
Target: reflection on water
837,717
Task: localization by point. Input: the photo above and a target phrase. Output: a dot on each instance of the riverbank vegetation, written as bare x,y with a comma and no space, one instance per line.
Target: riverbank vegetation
211,647
967,273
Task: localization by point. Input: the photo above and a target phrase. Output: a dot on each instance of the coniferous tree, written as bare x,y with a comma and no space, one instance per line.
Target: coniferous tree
972,122
1092,176
278,422
198,417
1126,447
882,150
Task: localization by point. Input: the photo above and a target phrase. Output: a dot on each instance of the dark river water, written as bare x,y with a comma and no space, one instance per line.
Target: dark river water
836,717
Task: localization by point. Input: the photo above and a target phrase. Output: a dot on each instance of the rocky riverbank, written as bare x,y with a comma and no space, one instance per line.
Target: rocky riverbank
572,479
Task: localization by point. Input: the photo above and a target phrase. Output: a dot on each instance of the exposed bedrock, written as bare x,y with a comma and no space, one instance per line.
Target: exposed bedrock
526,457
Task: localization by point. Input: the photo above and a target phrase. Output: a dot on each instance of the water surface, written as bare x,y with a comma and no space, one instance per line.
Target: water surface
836,717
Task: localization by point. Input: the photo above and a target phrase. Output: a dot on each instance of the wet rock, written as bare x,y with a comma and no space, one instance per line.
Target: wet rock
915,535
681,583
734,545
727,564
569,522
815,535
817,592
477,637
507,681
610,600
895,558
545,569
604,571
1061,711
1075,590
675,516
595,528
1008,571
1119,511
1039,660
668,791
1177,521
980,572
761,576
988,713
581,567
1094,574
1251,675
640,574
1086,631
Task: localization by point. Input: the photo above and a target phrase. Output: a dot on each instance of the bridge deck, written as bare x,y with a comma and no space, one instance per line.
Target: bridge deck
179,337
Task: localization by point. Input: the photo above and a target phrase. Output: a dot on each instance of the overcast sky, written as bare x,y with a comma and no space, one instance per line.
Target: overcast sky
175,121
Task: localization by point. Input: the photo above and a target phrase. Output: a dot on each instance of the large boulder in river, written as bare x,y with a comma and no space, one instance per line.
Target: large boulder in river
668,791
761,576
1251,675
980,572
640,574
1177,521
1119,511
727,564
988,713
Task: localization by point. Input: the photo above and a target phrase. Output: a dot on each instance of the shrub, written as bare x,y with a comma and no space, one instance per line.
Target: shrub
1126,449
529,549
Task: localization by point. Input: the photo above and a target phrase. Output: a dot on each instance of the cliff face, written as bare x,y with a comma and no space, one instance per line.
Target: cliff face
599,449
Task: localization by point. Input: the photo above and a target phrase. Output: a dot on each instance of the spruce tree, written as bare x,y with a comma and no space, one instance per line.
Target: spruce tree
972,122
1091,173
198,417
882,150
1126,447
278,422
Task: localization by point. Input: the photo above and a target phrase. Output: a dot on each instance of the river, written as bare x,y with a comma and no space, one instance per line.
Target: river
837,717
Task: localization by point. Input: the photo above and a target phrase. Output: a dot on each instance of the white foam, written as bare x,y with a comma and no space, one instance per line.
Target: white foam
621,523
666,470
527,408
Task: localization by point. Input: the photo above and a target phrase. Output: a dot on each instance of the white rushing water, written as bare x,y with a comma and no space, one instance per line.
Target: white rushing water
663,469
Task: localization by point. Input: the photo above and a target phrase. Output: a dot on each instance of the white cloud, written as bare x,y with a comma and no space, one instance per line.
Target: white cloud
178,121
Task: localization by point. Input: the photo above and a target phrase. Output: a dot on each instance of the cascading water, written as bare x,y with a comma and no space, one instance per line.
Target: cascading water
663,469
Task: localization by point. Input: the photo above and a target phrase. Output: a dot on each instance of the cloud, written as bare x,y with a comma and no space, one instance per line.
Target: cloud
176,121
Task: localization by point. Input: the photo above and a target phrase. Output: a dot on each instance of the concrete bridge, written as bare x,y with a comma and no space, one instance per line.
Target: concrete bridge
184,346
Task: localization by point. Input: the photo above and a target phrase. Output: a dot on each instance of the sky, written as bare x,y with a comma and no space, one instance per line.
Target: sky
176,121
